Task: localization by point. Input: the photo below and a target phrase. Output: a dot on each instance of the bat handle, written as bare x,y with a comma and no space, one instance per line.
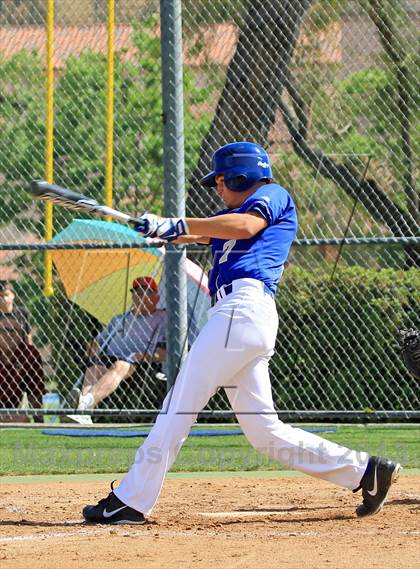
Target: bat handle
105,211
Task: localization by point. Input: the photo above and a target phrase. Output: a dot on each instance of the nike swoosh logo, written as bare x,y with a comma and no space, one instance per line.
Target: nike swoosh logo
374,490
109,514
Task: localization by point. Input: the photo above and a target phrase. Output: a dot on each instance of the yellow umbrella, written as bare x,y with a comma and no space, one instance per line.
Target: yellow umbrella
98,280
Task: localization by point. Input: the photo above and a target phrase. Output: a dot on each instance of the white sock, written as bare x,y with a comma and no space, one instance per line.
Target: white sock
86,401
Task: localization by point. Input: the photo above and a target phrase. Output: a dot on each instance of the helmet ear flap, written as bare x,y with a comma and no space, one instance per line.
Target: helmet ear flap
235,182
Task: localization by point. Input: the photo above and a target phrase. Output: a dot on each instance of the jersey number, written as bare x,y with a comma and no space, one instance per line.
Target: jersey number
227,248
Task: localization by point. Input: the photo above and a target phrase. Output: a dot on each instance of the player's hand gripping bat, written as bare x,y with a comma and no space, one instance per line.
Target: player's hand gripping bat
72,200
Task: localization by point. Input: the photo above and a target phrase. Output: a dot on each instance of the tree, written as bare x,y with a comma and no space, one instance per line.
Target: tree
260,81
80,129
255,78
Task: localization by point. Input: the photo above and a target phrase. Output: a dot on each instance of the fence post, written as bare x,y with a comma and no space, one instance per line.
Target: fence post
174,179
109,161
49,145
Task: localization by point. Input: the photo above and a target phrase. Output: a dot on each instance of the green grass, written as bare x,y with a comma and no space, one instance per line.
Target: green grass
28,451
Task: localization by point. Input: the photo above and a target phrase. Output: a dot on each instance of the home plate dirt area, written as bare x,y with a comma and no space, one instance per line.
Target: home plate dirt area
295,522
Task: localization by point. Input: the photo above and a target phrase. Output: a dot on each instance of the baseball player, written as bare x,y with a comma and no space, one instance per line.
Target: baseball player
250,242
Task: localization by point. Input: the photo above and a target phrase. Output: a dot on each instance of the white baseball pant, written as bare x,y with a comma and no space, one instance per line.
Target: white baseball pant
232,351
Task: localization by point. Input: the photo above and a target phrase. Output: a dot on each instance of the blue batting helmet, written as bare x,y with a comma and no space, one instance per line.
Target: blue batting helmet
243,164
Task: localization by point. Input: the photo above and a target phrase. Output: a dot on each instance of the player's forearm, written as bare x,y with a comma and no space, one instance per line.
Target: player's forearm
227,226
188,239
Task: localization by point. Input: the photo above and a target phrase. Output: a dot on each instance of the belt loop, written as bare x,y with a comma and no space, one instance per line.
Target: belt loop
223,291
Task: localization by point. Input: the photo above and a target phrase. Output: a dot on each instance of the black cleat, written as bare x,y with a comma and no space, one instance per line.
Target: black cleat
380,474
111,510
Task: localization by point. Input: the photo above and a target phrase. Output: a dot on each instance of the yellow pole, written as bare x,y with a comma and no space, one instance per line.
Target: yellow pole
49,146
110,106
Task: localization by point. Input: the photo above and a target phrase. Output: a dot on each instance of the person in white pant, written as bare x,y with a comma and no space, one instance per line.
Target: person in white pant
250,242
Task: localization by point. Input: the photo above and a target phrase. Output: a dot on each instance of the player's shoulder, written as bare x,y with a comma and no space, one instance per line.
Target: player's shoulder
273,191
270,195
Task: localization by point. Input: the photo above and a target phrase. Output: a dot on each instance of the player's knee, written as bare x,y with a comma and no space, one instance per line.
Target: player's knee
258,425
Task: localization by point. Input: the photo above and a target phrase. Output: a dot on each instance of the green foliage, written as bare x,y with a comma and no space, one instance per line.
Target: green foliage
362,105
354,116
337,344
138,127
79,161
22,129
79,133
80,127
323,12
370,96
323,209
362,119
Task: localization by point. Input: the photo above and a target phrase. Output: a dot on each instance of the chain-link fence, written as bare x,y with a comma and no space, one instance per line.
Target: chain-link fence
105,325
329,87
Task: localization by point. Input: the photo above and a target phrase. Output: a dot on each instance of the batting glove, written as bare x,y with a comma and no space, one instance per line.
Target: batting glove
167,228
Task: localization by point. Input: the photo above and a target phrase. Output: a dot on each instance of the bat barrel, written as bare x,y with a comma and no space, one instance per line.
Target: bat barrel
73,200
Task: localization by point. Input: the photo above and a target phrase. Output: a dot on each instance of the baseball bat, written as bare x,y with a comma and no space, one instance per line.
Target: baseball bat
72,200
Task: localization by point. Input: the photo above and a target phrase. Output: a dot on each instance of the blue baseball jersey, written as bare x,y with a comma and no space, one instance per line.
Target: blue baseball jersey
261,257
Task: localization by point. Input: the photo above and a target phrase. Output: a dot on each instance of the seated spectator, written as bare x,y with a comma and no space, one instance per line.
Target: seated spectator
130,339
21,368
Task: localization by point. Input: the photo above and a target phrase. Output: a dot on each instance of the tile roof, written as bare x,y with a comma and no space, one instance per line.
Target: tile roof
214,44
217,42
69,40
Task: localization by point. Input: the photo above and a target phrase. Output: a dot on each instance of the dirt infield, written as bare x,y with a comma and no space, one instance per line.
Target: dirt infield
211,523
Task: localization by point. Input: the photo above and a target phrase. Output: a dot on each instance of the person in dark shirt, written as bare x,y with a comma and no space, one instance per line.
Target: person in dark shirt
21,368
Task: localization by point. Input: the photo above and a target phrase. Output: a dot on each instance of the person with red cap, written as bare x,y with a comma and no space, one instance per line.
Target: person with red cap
132,338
